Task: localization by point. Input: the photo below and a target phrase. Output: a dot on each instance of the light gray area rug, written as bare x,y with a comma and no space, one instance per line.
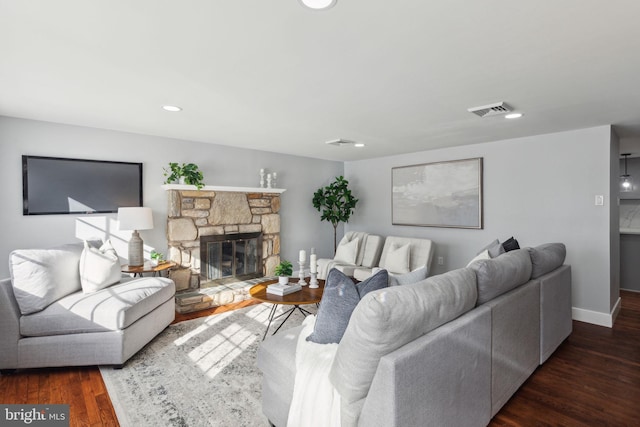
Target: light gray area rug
200,372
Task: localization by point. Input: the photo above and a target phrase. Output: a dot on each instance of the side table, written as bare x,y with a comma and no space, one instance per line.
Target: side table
147,268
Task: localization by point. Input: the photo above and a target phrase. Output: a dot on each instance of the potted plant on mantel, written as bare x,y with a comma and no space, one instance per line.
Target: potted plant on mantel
186,173
336,203
283,271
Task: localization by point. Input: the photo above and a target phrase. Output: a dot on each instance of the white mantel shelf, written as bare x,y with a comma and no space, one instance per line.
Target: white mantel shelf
224,188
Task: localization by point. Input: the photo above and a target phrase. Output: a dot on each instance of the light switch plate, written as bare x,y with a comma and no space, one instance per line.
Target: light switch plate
599,200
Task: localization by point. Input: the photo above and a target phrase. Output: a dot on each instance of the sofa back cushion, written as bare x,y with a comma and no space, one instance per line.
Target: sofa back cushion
42,276
389,318
499,275
546,258
371,251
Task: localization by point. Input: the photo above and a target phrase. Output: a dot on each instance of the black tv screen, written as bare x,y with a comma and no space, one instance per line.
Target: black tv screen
52,185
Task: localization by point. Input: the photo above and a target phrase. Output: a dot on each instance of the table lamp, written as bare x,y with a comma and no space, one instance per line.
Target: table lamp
135,219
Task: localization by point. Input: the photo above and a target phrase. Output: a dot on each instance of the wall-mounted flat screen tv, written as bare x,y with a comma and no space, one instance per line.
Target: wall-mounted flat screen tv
53,185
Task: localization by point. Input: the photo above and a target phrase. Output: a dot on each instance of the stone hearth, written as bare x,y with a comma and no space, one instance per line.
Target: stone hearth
218,211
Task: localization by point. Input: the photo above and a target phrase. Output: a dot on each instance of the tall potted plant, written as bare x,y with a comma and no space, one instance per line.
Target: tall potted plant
336,203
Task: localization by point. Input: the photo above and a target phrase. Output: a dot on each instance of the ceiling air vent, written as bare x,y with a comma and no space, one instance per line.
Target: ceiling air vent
499,108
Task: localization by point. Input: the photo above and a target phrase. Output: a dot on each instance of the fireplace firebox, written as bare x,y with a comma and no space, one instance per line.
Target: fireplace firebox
230,258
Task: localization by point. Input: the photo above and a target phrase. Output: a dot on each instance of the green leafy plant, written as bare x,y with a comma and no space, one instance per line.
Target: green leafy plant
189,171
336,203
158,256
285,268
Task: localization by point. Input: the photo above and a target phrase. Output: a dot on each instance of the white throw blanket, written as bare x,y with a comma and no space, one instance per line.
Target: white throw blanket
315,402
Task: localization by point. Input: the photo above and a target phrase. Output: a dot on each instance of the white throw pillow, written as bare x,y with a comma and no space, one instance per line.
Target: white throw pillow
397,261
43,276
482,255
99,268
347,252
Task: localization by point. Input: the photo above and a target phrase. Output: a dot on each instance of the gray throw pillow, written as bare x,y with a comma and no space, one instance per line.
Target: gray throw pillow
339,299
408,278
495,249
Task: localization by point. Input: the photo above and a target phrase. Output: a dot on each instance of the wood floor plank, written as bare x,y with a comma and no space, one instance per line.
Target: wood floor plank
593,378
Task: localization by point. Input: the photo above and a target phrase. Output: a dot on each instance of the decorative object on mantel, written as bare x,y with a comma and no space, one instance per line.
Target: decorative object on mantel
440,194
626,184
336,203
271,179
187,173
302,259
135,219
283,270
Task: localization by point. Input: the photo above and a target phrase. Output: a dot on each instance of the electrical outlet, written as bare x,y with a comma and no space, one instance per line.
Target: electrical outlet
599,200
440,260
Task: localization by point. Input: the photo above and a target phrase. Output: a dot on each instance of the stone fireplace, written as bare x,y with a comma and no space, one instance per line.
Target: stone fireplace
228,216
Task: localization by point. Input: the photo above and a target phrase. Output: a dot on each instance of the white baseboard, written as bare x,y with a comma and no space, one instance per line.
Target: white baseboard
596,317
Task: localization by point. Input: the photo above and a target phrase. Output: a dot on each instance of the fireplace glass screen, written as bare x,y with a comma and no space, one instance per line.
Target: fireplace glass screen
231,257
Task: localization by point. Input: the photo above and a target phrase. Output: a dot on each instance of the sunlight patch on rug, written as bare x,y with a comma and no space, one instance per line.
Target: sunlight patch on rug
200,372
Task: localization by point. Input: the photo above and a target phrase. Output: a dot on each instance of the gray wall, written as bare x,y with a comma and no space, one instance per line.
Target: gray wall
538,189
300,222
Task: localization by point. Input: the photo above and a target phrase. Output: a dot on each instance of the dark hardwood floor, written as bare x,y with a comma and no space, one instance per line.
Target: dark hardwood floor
593,379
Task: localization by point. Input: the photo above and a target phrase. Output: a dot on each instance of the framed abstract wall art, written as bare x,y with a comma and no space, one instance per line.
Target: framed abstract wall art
441,194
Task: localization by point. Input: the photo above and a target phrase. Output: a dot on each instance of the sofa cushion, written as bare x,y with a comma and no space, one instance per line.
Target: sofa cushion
495,249
546,258
42,276
99,267
347,252
499,275
110,309
339,298
397,260
387,319
408,278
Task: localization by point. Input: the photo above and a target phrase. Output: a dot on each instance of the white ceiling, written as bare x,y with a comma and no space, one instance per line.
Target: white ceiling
272,75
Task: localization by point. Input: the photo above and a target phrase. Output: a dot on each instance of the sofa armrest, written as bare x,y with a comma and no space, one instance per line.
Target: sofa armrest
9,326
442,378
555,310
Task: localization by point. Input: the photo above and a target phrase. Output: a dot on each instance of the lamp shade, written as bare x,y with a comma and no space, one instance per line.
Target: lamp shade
135,218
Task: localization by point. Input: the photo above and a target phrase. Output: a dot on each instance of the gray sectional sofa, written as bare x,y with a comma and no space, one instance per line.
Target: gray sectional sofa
46,319
449,350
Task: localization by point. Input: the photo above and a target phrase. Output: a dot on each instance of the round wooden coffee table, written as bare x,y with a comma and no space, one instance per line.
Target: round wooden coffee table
304,296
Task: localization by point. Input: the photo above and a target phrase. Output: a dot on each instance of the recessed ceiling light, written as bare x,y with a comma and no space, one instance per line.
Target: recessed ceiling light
318,4
513,116
171,108
358,145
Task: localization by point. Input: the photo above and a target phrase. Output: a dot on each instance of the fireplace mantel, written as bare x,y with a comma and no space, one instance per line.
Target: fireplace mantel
224,188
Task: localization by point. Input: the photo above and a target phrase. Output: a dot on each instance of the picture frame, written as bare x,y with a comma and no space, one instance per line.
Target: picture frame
439,194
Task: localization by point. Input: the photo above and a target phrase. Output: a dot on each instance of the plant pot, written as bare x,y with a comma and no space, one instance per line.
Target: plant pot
181,180
154,262
283,280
